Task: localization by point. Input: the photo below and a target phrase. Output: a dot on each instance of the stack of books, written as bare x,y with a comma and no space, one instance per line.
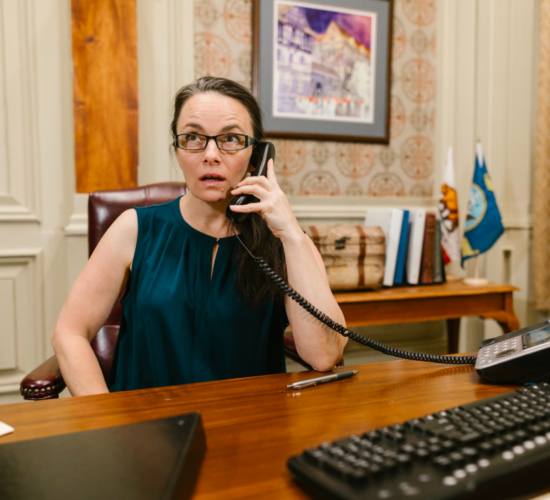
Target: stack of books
413,246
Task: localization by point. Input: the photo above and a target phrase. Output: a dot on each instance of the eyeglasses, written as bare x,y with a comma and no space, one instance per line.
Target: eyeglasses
225,142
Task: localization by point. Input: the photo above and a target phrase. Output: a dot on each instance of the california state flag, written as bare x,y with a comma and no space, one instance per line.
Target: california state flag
448,213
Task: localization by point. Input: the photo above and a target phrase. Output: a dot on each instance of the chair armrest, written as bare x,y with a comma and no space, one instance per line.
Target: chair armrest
292,353
44,382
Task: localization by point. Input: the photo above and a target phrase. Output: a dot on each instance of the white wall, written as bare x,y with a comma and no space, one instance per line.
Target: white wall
488,53
36,180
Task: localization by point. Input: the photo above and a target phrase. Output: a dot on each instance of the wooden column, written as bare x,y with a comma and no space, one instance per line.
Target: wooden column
105,93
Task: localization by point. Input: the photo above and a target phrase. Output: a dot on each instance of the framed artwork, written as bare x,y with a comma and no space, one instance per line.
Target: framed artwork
321,68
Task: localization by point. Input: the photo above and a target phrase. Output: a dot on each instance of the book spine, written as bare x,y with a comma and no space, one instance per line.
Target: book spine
402,250
414,251
438,254
427,262
392,245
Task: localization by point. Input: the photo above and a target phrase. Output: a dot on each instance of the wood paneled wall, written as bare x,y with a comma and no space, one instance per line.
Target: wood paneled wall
105,93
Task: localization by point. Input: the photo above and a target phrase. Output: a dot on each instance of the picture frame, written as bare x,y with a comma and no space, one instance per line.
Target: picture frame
322,68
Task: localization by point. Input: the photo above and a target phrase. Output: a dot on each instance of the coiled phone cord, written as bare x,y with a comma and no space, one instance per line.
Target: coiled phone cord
346,332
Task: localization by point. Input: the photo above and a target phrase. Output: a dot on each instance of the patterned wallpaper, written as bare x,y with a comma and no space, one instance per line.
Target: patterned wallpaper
223,47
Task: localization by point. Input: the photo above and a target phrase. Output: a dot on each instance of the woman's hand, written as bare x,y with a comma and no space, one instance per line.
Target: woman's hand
273,207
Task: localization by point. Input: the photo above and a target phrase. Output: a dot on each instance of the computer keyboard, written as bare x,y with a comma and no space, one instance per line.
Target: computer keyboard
492,448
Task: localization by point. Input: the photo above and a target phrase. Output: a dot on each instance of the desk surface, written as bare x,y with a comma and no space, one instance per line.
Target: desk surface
254,425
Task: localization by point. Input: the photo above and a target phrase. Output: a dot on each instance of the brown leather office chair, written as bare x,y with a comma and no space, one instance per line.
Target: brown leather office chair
46,382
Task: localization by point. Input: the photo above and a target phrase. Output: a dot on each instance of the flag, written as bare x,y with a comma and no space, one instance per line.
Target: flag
483,225
448,212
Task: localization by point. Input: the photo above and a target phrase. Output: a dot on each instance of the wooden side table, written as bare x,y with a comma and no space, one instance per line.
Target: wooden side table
449,301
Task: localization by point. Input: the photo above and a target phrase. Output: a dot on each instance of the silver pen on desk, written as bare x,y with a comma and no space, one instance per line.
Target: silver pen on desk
322,380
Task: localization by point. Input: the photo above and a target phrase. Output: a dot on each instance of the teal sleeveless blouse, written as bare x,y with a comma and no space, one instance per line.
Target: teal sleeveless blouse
179,326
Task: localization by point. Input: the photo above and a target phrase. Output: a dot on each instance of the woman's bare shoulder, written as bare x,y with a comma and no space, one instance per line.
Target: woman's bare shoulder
121,237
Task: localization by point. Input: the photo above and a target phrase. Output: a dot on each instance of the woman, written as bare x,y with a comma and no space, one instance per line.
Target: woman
196,306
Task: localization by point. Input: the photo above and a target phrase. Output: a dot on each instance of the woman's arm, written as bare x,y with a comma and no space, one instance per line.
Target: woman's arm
89,304
317,344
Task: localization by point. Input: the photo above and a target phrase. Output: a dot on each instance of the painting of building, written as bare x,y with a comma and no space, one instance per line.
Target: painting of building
324,64
295,43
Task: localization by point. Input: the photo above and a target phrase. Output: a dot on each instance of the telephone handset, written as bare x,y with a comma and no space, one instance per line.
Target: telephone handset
262,153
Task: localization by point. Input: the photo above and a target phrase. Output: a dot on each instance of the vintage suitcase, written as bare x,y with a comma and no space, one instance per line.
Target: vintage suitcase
353,255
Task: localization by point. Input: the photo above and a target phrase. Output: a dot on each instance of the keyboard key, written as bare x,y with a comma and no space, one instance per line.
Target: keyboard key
376,470
358,476
403,459
372,436
450,481
470,437
487,447
498,442
408,448
443,461
459,473
389,464
350,459
457,457
422,453
314,455
448,445
469,452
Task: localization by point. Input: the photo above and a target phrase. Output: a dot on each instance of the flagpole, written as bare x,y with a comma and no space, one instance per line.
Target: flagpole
483,222
476,280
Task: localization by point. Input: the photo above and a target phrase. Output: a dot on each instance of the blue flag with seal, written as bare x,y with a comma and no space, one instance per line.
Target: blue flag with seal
483,223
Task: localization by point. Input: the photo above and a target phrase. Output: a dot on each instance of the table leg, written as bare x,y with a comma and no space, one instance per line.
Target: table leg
507,318
511,324
453,331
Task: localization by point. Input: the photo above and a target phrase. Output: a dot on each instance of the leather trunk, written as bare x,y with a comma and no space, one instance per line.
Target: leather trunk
353,255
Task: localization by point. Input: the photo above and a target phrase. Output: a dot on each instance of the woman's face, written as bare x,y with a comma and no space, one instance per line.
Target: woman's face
211,174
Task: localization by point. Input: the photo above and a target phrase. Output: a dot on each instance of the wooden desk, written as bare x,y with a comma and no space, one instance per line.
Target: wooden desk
449,301
254,425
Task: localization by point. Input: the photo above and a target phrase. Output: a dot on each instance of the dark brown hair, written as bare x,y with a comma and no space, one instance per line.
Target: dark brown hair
253,284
